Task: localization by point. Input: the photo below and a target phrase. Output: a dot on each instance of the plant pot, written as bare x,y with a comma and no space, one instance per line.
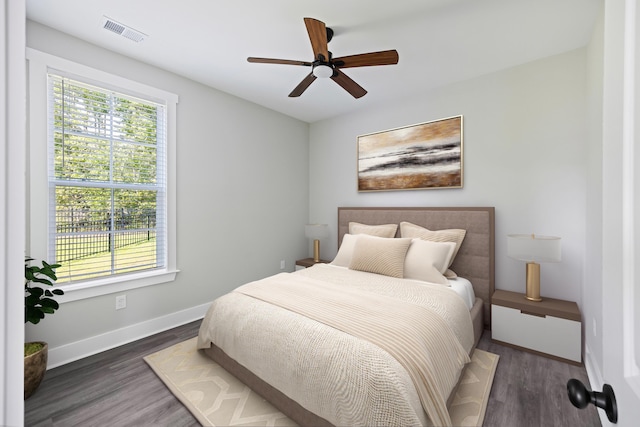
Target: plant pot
35,365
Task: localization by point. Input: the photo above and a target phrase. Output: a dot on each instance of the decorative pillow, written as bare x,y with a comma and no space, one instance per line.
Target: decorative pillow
343,257
385,230
428,261
454,235
380,255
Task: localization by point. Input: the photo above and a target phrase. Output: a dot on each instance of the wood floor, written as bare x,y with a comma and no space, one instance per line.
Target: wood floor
117,388
530,390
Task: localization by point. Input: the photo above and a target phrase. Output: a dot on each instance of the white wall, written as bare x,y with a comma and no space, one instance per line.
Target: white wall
525,138
242,203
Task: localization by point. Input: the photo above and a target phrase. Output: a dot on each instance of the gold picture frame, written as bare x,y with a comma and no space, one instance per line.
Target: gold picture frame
423,156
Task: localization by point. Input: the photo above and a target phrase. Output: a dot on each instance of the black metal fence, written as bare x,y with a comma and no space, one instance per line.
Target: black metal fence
84,233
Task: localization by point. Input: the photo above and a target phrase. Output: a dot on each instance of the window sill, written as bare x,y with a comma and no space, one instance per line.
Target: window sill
98,287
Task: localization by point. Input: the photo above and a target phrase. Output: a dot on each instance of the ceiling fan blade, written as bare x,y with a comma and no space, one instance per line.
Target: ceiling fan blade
318,36
349,85
385,57
278,61
304,84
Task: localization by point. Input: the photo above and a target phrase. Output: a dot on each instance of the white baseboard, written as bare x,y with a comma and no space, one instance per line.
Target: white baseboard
80,349
593,370
595,379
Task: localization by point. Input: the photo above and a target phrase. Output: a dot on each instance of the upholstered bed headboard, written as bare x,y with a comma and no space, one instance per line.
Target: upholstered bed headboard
475,260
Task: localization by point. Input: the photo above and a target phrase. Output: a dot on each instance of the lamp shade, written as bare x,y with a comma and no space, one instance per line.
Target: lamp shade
534,248
316,231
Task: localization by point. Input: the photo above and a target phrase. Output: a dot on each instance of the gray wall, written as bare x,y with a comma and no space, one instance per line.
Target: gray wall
242,190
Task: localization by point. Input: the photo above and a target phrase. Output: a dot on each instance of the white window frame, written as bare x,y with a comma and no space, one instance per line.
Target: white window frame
40,64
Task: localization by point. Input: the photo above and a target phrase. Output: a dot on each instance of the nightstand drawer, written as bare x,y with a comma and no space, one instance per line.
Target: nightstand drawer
547,334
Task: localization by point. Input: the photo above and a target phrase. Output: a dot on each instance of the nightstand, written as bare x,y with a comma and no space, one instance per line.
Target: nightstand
308,262
551,327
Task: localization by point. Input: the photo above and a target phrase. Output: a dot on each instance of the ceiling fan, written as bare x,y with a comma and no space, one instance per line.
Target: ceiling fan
324,65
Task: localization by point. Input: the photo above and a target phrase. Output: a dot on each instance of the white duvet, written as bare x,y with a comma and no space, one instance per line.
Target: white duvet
346,380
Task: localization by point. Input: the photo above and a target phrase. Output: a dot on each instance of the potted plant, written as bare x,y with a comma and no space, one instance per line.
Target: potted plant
38,301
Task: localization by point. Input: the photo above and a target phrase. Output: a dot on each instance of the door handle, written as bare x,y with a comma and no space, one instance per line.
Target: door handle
529,313
580,397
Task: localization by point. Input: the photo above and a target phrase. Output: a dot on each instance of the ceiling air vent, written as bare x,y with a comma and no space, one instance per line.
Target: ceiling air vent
123,30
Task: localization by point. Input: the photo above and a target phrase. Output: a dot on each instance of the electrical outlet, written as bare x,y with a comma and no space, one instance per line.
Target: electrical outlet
121,302
282,264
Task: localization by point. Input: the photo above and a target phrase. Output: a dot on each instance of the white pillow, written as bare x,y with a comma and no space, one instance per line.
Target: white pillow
380,255
413,231
384,230
343,257
428,261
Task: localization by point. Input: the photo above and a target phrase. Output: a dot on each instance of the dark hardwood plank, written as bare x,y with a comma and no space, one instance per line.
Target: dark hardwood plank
113,388
531,390
117,388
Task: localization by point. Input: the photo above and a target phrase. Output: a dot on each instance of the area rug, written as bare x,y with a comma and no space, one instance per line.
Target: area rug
216,398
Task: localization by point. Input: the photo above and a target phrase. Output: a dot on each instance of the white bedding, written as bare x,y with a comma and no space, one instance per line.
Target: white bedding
464,289
459,285
307,360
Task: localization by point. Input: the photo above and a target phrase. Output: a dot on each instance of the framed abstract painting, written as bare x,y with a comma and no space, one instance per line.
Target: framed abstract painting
423,156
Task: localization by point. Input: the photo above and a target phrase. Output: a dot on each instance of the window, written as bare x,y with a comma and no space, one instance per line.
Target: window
101,177
106,181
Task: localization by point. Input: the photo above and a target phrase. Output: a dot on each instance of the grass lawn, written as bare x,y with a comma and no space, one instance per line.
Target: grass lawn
139,256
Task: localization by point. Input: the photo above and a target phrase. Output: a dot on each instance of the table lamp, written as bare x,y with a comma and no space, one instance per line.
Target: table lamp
533,249
316,232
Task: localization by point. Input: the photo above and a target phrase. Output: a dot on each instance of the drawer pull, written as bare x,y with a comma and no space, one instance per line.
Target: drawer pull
533,314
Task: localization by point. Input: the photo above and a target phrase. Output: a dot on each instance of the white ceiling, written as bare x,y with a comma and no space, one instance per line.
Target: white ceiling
438,41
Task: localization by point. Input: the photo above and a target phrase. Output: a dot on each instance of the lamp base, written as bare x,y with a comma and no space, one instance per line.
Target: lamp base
533,282
316,250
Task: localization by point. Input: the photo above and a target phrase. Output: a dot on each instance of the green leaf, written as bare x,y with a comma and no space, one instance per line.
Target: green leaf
34,320
33,315
44,281
37,292
31,300
29,274
49,303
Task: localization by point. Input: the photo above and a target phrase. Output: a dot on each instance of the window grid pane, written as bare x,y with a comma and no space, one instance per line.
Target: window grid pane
107,178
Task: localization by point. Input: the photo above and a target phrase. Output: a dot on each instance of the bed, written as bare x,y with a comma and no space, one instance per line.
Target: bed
357,342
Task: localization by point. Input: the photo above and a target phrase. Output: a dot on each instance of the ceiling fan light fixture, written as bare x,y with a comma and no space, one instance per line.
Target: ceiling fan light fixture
322,71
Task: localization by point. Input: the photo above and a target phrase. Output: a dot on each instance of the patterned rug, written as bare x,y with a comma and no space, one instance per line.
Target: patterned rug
216,398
